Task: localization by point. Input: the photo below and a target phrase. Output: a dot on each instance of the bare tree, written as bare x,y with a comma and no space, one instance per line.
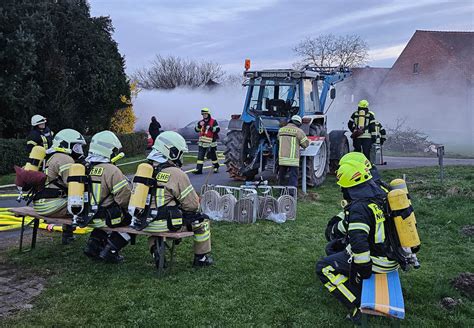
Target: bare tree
172,72
330,50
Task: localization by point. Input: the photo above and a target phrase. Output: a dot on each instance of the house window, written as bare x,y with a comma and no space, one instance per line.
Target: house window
416,68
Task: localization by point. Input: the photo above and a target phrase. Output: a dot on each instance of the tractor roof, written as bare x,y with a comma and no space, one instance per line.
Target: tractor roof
307,72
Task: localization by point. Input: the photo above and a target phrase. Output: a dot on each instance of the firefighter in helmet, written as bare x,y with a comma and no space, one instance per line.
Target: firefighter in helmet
175,199
51,201
335,229
208,129
362,126
110,192
342,272
290,139
40,134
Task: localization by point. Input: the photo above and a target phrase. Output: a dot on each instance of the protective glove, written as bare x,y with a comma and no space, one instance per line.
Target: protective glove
382,141
201,123
374,139
335,246
359,272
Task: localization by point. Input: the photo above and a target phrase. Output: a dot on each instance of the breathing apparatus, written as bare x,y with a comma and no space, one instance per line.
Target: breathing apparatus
405,239
30,175
140,200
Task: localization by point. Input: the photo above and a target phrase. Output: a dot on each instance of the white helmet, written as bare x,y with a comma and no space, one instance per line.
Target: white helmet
68,141
171,145
105,144
37,120
296,119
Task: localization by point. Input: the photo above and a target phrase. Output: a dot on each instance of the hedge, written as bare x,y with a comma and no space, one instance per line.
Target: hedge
13,151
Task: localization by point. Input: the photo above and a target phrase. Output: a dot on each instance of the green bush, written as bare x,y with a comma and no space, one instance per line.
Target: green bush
13,151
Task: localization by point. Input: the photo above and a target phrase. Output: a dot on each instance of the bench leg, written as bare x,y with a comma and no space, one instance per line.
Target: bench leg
35,233
21,233
160,252
172,250
133,239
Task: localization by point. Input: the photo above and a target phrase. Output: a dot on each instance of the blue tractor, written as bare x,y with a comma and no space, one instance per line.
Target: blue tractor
273,96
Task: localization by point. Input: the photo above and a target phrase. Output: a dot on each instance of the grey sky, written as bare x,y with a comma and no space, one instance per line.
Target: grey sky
228,31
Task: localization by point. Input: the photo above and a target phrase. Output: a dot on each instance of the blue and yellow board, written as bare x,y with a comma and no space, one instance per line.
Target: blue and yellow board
382,295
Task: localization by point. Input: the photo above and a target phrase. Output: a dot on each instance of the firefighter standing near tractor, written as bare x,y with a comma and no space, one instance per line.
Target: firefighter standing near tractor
174,204
342,272
362,126
40,134
51,200
290,138
108,196
208,129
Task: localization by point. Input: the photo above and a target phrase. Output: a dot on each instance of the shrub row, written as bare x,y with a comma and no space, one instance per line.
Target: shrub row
13,151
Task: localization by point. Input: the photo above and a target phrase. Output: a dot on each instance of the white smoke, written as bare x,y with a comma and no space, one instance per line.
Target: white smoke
176,108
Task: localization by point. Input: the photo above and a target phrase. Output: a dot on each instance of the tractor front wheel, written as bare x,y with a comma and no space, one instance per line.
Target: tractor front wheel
318,166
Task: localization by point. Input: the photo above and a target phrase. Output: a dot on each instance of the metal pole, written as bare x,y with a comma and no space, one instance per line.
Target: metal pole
440,153
303,180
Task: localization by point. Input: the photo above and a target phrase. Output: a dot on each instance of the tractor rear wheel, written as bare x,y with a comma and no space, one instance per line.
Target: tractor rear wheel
318,166
234,153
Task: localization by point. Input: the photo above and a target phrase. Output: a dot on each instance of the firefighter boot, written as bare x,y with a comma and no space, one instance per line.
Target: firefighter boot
202,260
67,235
115,243
355,316
96,243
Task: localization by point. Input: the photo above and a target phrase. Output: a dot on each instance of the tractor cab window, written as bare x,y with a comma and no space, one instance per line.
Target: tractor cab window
274,98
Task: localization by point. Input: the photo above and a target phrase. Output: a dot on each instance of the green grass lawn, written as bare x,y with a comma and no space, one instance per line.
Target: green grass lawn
264,273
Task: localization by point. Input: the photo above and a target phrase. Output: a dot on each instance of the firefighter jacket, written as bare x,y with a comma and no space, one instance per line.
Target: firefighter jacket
37,137
176,190
208,132
380,133
52,200
290,138
365,226
109,185
365,123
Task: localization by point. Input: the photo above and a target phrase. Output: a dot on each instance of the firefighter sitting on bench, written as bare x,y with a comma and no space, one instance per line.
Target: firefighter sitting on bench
174,204
108,196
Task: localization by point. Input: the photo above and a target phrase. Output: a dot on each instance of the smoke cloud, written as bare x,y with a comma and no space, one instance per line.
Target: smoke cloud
178,107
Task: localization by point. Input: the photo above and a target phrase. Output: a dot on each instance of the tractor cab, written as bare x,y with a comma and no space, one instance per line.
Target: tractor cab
273,96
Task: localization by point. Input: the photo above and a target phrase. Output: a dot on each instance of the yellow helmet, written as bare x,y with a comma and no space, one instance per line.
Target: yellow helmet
357,157
352,173
206,110
363,104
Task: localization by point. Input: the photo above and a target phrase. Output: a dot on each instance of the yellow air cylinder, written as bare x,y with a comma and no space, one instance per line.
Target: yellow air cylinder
361,119
35,159
75,189
138,199
406,228
402,185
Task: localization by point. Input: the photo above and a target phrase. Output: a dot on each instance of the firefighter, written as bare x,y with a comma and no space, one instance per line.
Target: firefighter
110,191
175,196
335,229
362,126
342,272
66,149
290,138
380,133
208,129
40,134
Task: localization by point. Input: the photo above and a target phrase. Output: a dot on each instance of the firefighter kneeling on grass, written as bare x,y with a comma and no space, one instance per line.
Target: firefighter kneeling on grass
208,129
51,200
163,198
108,196
342,272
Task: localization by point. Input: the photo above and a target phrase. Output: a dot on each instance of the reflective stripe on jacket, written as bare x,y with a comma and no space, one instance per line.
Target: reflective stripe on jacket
290,138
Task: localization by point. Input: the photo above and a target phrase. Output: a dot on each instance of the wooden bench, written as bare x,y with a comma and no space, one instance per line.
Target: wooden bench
165,241
382,295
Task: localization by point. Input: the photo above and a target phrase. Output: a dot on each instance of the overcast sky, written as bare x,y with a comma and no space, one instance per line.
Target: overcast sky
228,31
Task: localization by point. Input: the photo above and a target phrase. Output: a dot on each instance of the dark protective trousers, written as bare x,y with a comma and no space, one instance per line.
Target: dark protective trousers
293,175
363,145
333,271
211,154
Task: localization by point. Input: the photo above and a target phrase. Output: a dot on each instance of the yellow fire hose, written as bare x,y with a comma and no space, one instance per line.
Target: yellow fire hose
10,222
